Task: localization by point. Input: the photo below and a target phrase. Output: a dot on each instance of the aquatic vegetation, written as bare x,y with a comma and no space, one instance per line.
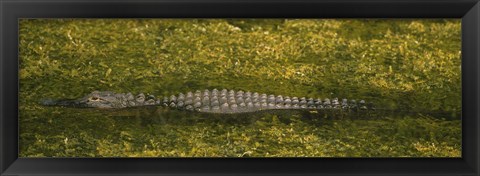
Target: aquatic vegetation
405,65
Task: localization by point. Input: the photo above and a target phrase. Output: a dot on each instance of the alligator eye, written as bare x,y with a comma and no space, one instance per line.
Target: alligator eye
94,98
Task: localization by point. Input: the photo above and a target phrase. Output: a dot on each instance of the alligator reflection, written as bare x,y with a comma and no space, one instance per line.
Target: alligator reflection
147,115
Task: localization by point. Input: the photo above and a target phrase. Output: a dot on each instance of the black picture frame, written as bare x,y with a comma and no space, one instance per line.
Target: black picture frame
12,11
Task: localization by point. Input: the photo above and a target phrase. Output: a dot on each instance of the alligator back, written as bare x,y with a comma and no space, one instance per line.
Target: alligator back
231,101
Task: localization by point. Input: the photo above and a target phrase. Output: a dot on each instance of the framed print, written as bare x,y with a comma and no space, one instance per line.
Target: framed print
239,87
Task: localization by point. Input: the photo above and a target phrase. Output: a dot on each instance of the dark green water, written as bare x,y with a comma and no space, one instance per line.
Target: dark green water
159,131
411,67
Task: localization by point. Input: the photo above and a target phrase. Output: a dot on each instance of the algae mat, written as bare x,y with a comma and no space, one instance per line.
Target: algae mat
411,66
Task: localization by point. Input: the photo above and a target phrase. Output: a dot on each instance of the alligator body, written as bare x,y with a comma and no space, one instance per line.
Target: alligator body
210,101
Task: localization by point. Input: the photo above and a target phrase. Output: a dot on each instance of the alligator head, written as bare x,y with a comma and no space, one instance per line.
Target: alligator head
102,99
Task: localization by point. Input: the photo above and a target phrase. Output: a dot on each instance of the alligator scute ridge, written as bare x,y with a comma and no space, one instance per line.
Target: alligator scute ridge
209,101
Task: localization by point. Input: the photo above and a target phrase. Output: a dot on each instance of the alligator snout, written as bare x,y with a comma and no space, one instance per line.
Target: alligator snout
48,102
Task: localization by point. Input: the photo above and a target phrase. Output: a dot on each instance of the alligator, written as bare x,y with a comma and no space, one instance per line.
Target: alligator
210,101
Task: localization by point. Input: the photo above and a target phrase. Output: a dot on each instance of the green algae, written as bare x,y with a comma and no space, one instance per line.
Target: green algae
406,65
